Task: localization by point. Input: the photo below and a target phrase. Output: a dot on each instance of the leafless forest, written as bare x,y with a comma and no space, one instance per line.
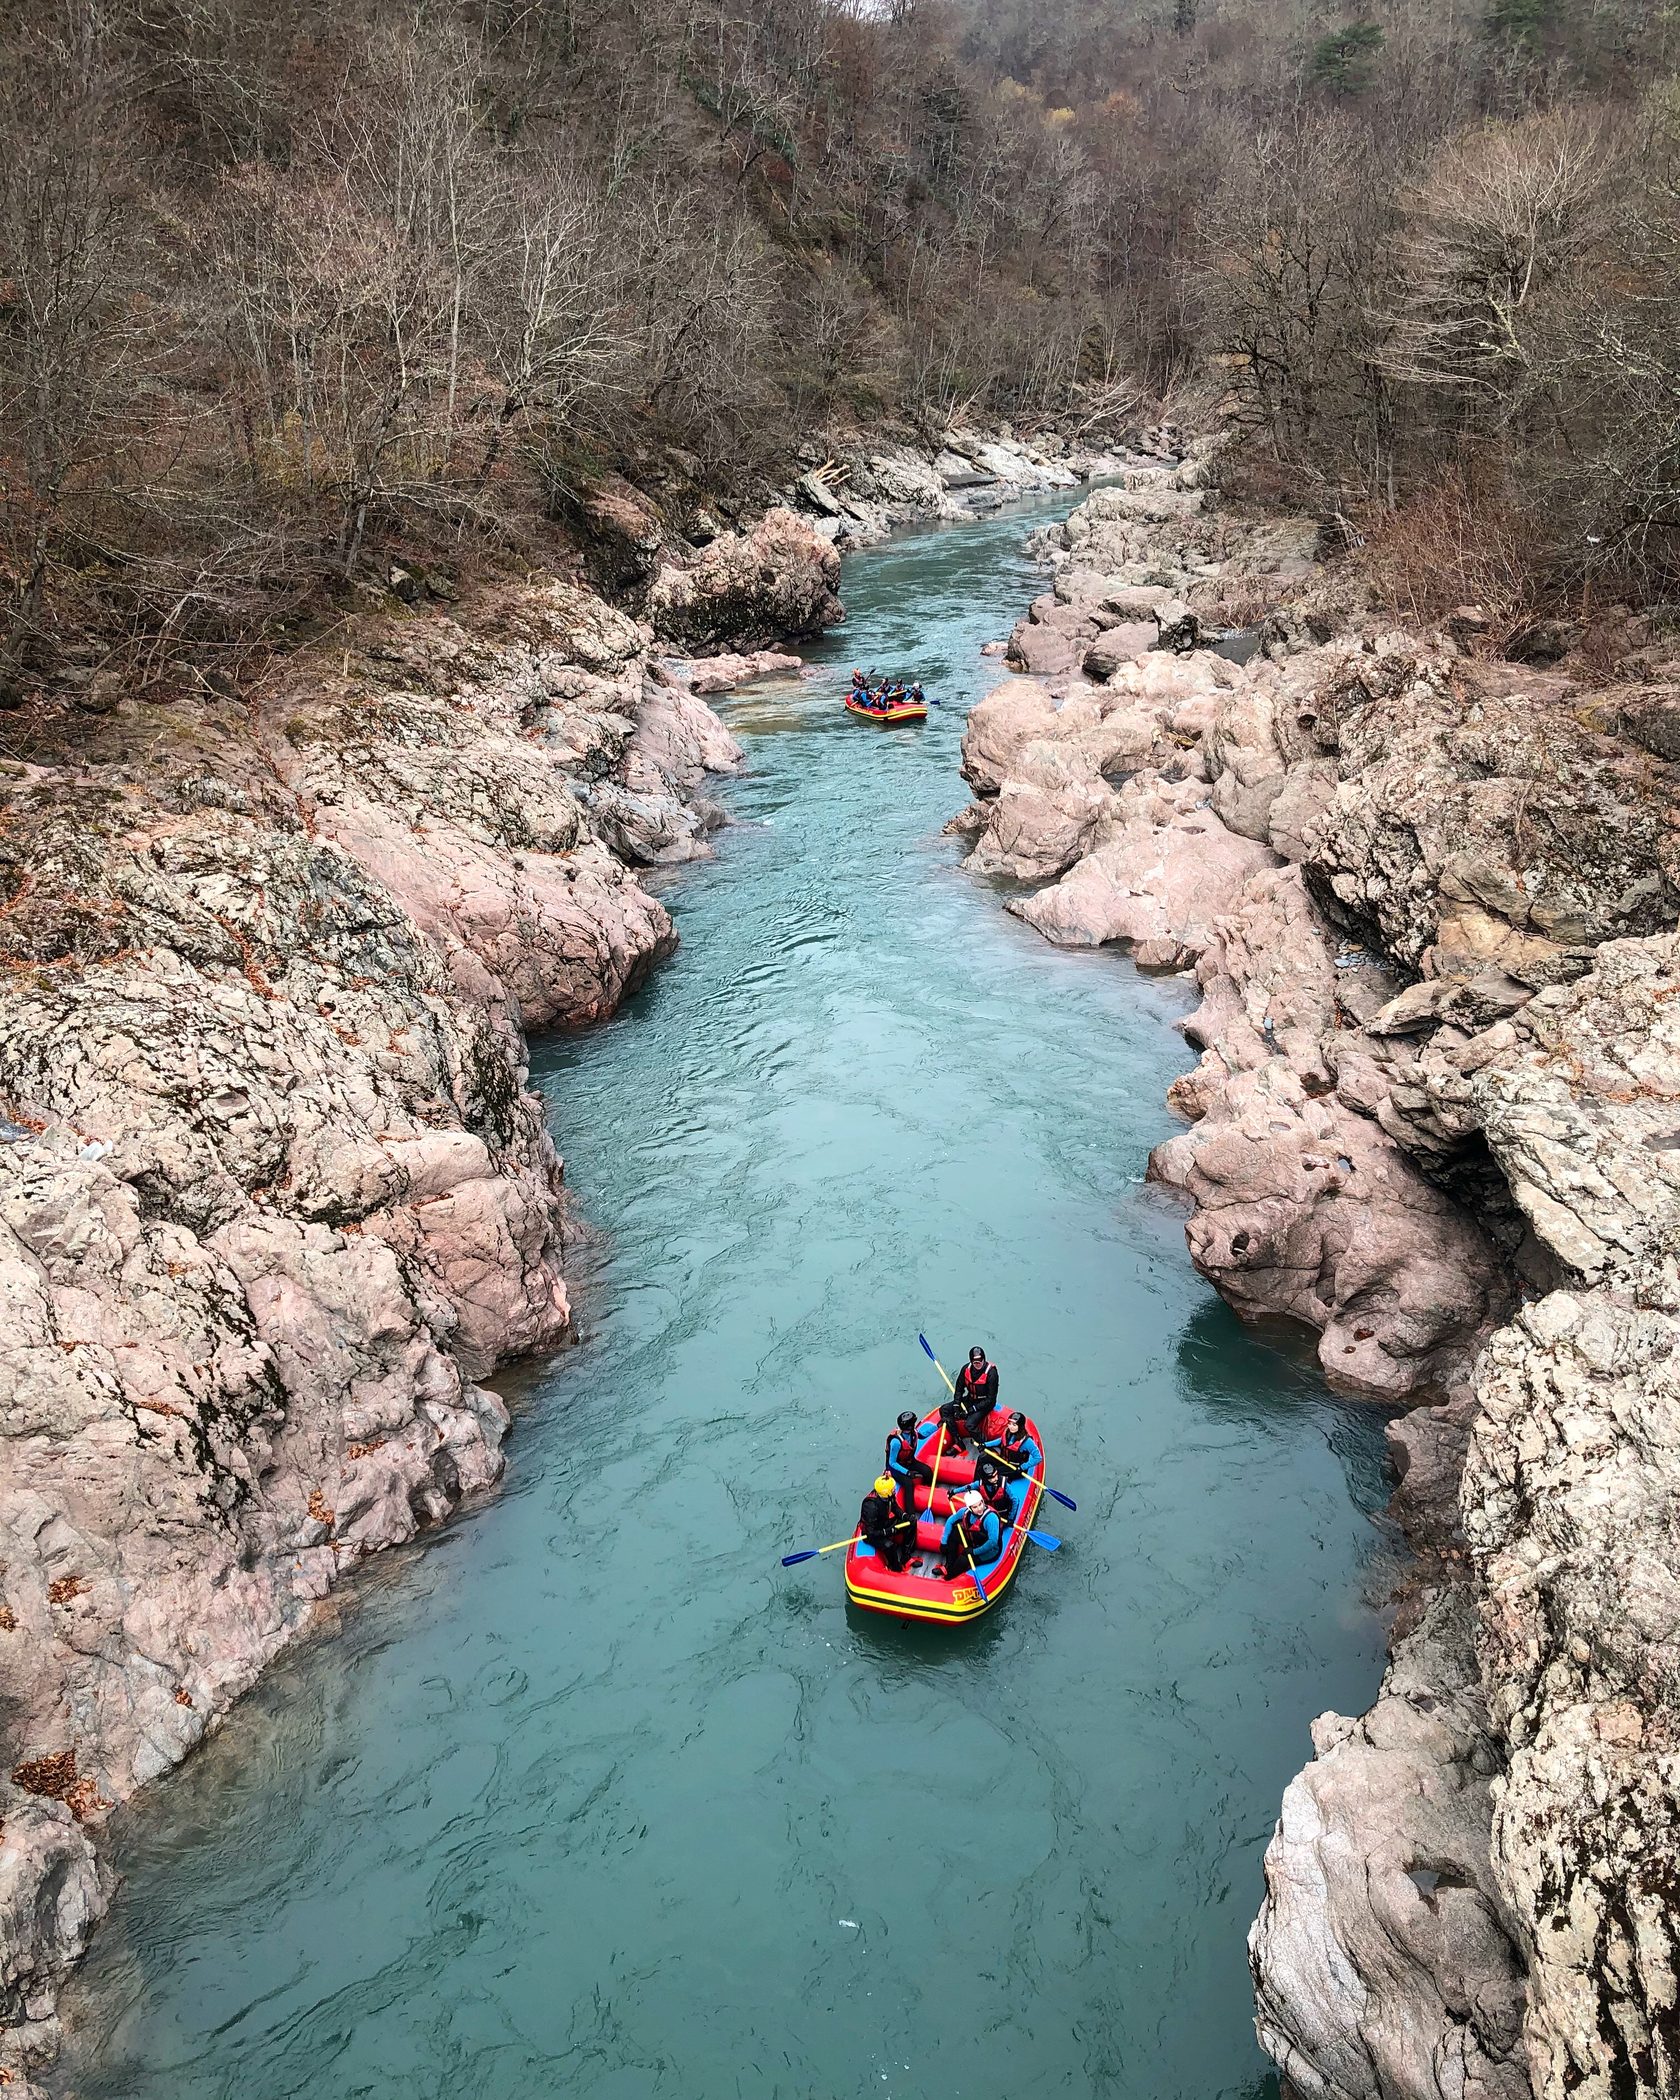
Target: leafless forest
287,288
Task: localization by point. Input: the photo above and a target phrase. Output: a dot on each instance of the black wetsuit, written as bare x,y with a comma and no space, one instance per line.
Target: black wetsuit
903,1464
977,1396
999,1501
959,1429
889,1528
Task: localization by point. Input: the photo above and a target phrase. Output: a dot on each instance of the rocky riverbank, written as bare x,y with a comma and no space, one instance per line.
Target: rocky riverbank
861,492
1430,903
664,551
274,1197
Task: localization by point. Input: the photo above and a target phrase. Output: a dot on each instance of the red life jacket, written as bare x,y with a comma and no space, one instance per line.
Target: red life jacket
972,1394
907,1441
1014,1454
1000,1501
971,1530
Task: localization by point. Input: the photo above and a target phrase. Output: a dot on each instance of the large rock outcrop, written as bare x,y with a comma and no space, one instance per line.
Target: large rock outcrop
862,494
273,1195
1430,904
780,580
1384,1961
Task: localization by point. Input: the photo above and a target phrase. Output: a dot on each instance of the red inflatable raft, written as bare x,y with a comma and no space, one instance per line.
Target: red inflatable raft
921,1592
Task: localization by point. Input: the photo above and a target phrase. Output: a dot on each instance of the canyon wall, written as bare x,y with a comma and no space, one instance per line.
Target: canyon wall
274,1196
1430,903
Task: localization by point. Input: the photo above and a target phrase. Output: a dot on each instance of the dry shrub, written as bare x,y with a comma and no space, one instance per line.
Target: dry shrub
52,1776
1450,547
1245,602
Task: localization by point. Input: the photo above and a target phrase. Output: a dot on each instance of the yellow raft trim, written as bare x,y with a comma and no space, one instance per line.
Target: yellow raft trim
962,1605
886,718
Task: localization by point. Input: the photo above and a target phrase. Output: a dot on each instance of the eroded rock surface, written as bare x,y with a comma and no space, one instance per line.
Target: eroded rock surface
1431,907
860,497
1384,1960
274,1197
779,580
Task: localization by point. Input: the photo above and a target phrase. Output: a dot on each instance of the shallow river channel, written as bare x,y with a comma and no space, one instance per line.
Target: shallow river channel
589,1799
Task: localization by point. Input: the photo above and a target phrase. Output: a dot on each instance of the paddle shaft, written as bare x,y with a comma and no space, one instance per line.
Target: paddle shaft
938,1454
1010,1463
816,1552
969,1557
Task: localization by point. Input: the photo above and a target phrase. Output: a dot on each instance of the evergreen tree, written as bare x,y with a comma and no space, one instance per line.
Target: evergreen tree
1523,23
1342,60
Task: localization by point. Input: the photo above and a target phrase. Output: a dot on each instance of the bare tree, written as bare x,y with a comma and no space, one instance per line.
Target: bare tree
551,304
1288,285
78,341
1500,213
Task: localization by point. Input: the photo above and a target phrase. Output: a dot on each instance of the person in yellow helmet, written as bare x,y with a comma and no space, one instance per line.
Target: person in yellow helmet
886,1525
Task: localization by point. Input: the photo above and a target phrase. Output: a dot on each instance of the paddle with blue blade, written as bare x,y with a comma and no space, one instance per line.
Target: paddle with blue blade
1055,1494
792,1560
1047,1539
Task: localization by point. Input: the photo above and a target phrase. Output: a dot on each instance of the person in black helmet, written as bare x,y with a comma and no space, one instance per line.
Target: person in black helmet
977,1392
1015,1449
994,1485
902,1463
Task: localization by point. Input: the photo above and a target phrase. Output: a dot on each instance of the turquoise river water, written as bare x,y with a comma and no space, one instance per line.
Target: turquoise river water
588,1797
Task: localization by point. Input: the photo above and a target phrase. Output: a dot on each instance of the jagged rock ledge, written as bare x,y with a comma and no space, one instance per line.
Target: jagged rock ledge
864,490
274,1196
1430,903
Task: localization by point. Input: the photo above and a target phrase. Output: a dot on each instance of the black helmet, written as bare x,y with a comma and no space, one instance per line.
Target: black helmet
977,1354
907,1420
988,1468
1018,1421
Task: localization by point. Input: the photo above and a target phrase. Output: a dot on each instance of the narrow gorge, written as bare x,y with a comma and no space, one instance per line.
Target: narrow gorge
515,1074
282,1188
857,1101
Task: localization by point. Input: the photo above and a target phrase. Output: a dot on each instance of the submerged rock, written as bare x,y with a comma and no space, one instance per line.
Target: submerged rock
724,673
